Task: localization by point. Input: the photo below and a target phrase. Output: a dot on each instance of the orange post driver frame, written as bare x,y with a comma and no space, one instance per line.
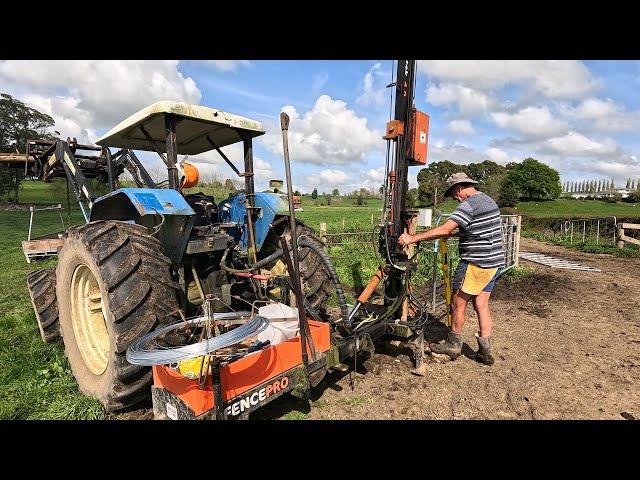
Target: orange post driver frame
243,374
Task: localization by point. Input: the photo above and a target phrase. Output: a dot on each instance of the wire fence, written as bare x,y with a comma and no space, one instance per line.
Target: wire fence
511,225
594,231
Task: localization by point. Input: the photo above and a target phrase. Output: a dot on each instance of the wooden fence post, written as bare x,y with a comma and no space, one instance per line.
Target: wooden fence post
620,243
323,233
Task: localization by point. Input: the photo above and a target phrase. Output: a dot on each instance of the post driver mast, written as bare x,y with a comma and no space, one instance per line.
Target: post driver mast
407,137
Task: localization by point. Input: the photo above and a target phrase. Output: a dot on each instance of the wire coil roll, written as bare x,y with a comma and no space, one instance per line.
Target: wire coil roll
143,352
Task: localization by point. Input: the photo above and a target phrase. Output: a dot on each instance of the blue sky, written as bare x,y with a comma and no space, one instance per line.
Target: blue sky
581,117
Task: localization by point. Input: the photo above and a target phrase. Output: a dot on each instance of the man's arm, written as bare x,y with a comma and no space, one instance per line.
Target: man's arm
443,231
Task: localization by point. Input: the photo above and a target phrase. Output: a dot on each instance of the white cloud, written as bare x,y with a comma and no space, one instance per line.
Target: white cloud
329,133
576,144
372,93
331,177
70,120
534,121
596,108
262,170
468,100
454,152
461,126
226,65
499,156
599,114
375,174
96,94
552,78
328,179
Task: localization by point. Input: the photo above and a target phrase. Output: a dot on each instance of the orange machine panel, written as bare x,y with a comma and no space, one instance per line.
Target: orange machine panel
419,138
243,374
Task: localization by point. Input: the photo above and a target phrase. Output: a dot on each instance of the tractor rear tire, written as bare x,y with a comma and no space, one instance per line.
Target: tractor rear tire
315,279
114,285
42,290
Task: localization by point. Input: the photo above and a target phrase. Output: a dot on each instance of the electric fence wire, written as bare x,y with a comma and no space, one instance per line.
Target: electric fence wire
145,351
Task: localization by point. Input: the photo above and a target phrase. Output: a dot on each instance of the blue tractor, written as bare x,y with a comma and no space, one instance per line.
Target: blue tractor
149,256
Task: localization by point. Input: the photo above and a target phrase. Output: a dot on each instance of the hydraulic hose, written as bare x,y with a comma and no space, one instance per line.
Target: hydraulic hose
303,241
262,263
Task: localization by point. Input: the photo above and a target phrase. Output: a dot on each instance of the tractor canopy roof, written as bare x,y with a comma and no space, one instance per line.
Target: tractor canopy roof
196,123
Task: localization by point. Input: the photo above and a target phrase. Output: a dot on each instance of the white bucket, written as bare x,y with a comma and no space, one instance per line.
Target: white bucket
283,323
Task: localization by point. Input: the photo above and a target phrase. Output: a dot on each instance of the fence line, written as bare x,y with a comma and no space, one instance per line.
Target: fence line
511,227
598,230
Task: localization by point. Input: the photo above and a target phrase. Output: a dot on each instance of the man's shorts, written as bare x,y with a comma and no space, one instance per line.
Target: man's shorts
461,272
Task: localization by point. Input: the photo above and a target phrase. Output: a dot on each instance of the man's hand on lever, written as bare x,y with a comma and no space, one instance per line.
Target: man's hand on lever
443,231
406,239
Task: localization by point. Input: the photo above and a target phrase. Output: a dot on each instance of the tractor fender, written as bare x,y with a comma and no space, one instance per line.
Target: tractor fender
162,210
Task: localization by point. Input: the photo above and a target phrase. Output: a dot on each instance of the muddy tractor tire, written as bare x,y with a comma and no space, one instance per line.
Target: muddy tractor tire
316,280
42,290
114,285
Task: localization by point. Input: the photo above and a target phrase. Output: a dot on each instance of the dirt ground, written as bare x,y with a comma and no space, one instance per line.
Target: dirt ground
567,346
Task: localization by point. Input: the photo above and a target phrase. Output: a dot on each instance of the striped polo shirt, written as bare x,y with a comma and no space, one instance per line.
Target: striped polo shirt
480,231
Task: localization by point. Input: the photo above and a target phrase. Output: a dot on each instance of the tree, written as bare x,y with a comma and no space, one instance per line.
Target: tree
599,186
481,172
535,180
412,197
633,184
613,184
314,194
492,185
628,185
10,179
335,192
509,194
228,184
434,178
19,123
297,193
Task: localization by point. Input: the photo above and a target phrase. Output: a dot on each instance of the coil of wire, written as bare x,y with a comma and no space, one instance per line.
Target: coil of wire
142,351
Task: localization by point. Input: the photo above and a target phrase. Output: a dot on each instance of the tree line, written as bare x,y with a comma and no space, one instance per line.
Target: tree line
597,186
529,179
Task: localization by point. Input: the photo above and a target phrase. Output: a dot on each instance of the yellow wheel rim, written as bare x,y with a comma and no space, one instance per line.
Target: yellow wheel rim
88,320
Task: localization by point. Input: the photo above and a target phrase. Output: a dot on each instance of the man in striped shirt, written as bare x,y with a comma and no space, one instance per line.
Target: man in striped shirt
481,260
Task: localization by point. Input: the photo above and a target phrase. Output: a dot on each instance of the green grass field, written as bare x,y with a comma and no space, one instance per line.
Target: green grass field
577,208
35,380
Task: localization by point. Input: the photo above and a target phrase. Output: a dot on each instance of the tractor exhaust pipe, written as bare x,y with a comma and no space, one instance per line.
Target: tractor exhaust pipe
305,332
